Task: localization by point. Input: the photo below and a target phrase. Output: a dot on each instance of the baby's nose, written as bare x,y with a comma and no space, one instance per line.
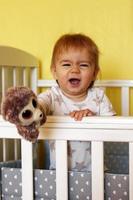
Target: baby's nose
75,69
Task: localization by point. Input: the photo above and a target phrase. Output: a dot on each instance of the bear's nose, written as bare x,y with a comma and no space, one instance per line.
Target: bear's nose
38,115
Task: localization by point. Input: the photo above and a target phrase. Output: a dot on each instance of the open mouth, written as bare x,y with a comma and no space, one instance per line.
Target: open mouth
74,81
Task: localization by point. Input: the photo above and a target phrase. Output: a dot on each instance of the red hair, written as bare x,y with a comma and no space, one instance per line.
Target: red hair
79,41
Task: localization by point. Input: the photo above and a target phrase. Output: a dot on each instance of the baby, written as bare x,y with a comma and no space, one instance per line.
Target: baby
75,65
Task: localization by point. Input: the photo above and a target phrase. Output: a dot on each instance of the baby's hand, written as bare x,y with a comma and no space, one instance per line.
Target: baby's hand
78,115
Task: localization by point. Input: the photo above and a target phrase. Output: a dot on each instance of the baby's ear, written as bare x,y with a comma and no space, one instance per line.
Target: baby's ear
53,70
95,73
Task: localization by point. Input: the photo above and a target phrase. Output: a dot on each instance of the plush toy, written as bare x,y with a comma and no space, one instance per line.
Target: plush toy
20,106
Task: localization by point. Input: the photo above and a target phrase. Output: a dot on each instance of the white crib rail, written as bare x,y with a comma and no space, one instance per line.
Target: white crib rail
94,129
124,85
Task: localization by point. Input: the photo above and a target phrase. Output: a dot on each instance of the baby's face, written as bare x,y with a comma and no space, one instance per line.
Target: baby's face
74,72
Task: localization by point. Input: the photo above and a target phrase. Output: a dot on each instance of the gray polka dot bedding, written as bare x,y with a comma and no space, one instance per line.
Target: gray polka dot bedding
116,179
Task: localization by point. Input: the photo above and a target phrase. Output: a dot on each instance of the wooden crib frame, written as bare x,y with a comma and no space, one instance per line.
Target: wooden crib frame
61,129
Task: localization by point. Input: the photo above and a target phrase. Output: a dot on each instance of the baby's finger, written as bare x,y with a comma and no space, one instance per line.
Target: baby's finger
90,113
72,114
79,115
86,112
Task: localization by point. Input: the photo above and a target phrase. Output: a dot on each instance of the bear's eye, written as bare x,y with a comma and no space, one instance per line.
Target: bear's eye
27,114
34,103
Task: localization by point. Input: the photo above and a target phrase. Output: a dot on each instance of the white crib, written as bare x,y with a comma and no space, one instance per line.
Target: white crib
95,129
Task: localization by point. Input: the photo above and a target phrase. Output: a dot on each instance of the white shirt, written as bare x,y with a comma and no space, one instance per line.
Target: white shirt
55,102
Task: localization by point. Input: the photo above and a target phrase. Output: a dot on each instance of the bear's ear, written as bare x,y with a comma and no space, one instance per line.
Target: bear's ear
8,111
3,108
11,117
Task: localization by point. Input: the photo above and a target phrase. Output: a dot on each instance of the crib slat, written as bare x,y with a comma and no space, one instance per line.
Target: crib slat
34,74
97,171
61,170
25,77
15,83
27,170
16,149
125,101
15,76
4,149
130,170
4,82
4,86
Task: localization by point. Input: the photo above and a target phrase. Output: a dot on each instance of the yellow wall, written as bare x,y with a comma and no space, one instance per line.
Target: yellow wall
34,26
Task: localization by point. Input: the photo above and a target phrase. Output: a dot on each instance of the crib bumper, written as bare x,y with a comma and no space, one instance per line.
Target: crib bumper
116,185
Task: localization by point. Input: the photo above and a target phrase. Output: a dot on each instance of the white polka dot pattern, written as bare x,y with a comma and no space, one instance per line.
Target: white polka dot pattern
116,185
45,184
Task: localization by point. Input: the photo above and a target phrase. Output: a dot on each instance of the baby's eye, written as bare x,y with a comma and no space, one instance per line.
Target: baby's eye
66,64
84,65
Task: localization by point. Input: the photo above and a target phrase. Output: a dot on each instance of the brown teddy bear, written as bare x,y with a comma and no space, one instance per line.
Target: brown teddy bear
20,106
